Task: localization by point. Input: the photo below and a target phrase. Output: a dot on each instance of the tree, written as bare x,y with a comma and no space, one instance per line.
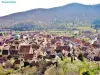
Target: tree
96,24
1,34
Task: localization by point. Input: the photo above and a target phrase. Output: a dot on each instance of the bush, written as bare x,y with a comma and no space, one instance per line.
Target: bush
51,71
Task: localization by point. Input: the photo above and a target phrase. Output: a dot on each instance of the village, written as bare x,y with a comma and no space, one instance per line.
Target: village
29,48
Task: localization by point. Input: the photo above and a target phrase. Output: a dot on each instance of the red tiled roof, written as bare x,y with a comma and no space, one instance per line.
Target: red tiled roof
25,49
29,56
76,41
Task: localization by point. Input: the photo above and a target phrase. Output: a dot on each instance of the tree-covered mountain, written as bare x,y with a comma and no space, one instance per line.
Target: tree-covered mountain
71,14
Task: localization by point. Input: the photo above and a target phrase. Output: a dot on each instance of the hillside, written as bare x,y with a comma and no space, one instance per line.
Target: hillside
74,13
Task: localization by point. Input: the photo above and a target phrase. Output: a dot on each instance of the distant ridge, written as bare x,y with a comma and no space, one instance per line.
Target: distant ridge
73,12
54,7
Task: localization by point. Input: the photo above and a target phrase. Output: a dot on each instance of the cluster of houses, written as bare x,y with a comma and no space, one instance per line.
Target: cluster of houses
36,46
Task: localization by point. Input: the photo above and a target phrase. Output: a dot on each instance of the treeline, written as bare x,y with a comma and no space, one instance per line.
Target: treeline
96,24
53,26
22,27
31,26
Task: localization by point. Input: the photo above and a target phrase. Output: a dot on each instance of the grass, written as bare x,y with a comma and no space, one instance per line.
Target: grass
86,28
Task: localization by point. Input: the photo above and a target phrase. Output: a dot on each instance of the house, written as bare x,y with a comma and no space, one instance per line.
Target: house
98,36
66,38
25,49
87,33
76,41
13,50
5,52
28,56
1,43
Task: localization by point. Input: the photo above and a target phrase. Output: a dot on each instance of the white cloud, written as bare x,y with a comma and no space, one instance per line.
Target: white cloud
23,5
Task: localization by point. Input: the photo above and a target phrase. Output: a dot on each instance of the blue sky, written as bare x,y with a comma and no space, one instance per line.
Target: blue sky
23,5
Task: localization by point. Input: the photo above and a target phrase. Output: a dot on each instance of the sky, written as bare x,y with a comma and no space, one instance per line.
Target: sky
23,5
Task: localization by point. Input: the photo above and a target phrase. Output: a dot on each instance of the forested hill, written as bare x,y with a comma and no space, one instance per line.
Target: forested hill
70,13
